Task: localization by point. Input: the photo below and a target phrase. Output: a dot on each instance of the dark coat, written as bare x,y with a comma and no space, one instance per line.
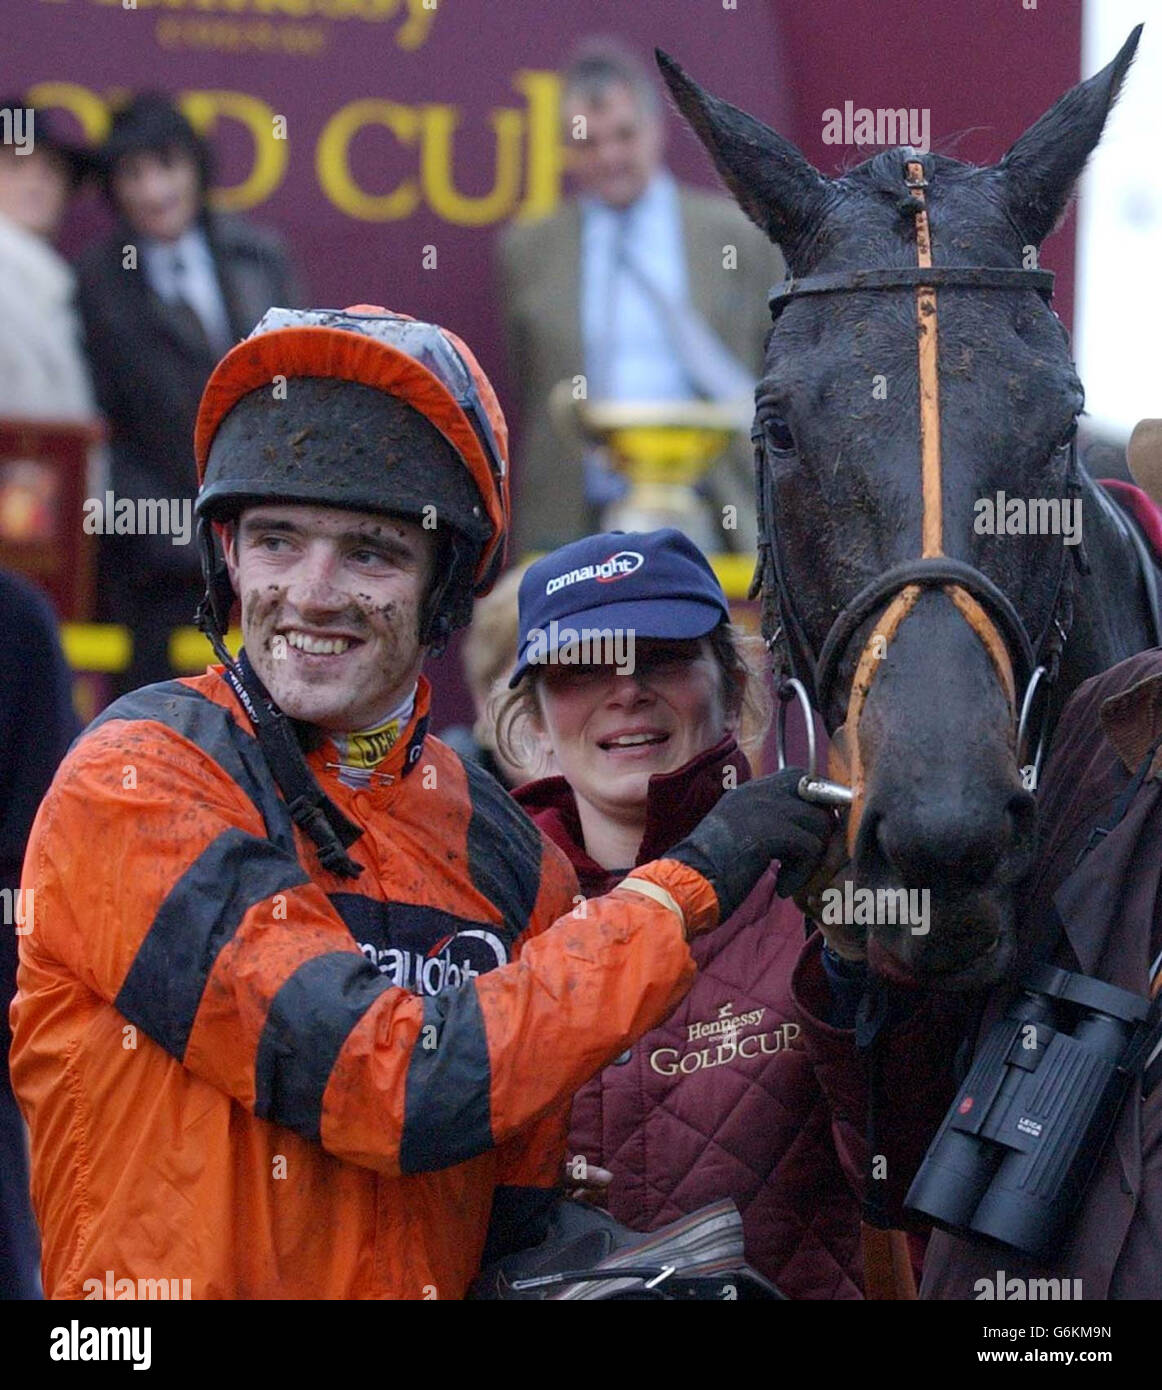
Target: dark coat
1111,911
37,719
696,1111
37,723
149,369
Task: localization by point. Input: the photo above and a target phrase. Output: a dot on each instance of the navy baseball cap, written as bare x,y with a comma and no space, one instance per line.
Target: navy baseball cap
652,583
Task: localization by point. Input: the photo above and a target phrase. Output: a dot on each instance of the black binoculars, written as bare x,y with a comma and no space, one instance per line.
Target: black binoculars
1016,1150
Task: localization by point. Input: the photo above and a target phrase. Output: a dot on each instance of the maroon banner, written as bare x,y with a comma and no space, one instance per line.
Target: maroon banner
390,140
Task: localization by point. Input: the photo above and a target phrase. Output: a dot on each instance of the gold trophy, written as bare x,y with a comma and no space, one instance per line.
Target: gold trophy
664,449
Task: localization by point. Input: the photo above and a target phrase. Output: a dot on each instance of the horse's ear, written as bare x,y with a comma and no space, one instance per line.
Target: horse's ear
771,181
1040,170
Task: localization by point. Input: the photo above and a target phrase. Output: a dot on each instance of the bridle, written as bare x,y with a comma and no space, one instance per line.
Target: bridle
1021,663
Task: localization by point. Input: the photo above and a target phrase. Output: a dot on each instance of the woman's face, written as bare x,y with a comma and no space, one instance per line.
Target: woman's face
611,733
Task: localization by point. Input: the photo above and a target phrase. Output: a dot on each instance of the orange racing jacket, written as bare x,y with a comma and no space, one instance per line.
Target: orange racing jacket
241,1070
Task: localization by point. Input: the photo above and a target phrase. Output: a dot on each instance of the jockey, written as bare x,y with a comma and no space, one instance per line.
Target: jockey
294,1019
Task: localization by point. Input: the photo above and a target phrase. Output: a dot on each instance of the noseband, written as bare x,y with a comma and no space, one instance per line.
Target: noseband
1019,661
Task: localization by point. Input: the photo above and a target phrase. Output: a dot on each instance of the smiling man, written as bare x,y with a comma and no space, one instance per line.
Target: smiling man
649,289
341,664
294,1019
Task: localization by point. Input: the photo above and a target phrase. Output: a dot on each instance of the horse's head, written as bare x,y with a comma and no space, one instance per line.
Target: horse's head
929,736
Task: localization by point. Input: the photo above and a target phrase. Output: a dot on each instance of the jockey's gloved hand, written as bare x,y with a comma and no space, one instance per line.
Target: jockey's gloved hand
749,827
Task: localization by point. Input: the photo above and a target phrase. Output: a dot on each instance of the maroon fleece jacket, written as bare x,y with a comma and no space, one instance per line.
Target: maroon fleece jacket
720,1100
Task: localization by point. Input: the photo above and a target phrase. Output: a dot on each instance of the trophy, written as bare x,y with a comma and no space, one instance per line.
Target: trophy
664,449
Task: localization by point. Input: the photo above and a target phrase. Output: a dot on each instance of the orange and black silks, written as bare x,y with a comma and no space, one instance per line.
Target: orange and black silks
240,1070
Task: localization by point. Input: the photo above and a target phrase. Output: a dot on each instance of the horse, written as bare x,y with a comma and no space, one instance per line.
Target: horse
914,372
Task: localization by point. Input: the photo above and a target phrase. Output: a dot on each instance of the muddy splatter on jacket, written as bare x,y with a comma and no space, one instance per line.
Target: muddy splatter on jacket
240,1070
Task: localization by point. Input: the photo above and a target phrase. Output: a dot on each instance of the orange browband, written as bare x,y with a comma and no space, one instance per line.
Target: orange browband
847,754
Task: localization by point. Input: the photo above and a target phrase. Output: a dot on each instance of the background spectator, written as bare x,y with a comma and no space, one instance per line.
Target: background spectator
42,368
36,725
163,297
629,285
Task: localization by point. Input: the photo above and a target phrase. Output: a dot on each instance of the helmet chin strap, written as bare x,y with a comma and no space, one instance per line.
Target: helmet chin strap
438,616
310,807
218,599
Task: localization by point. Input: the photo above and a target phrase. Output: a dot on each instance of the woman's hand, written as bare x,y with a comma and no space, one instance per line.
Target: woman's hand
585,1182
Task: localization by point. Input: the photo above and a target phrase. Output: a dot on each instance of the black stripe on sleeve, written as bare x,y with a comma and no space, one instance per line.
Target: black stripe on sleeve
504,850
310,1019
447,1103
200,914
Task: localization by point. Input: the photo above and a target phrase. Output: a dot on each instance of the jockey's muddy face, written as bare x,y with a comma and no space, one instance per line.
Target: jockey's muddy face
611,733
331,604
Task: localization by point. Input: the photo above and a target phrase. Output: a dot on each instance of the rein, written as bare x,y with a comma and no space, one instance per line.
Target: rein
1021,664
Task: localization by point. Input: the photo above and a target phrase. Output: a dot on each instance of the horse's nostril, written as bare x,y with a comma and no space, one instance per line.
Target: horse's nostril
928,846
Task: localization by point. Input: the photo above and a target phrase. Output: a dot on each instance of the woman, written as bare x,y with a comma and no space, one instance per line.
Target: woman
632,677
42,368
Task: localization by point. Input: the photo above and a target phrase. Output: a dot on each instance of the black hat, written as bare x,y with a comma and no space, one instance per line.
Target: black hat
151,124
48,133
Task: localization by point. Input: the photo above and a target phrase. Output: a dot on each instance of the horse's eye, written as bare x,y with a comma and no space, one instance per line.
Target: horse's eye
1067,436
778,433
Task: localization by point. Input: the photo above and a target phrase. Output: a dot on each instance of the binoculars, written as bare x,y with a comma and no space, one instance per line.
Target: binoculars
1016,1150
